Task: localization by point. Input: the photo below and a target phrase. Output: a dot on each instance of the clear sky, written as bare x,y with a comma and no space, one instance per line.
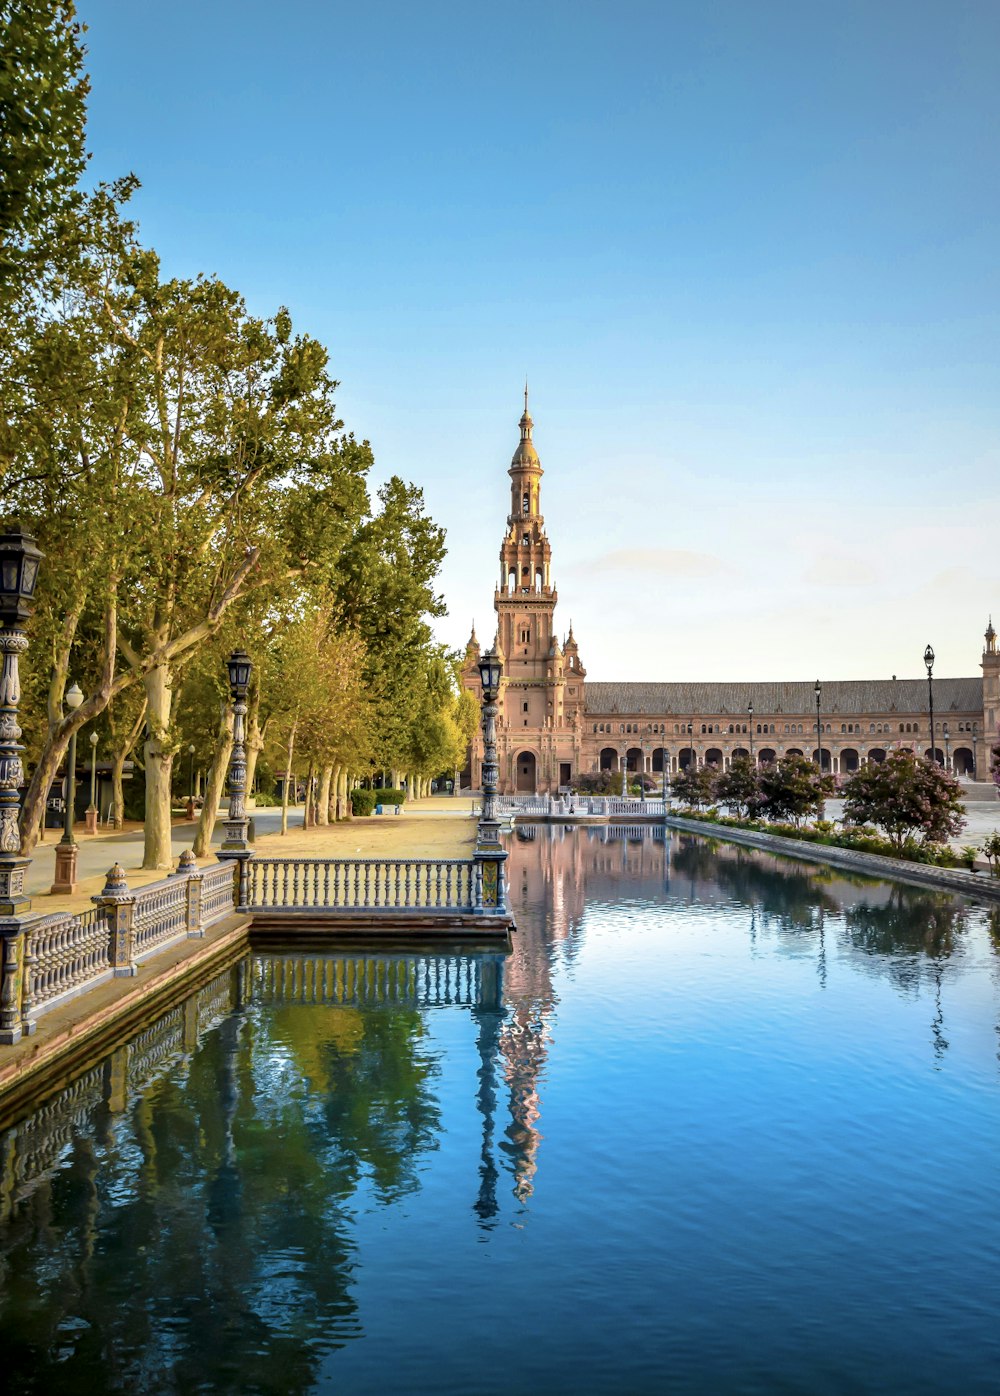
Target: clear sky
745,251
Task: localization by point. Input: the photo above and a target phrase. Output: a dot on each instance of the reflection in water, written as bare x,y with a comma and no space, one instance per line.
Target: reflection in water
204,1209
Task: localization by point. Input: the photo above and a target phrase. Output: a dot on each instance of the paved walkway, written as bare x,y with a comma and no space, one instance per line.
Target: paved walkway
438,827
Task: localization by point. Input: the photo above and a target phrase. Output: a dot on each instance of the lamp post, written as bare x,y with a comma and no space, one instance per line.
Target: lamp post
929,662
491,892
665,762
190,802
947,748
19,559
235,843
67,849
975,733
750,724
91,825
819,729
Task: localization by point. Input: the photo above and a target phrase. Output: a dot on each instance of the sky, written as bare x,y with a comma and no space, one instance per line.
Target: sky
745,252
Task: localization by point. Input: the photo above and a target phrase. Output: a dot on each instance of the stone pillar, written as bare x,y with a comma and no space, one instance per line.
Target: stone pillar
187,866
118,904
235,843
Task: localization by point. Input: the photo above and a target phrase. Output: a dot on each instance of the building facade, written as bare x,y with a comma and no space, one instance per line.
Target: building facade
554,726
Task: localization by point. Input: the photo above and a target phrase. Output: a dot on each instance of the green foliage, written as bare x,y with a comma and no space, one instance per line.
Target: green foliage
739,787
970,853
793,788
910,798
991,848
385,796
362,801
695,785
598,783
43,92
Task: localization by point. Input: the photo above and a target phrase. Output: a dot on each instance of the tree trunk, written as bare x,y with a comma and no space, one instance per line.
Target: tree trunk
344,793
121,755
215,785
309,815
255,738
323,804
159,760
288,777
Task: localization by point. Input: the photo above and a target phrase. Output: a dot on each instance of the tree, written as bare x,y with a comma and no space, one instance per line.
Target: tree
907,796
995,766
739,787
793,788
695,785
43,92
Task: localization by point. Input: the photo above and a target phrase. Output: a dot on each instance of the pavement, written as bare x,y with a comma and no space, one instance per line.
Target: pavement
437,827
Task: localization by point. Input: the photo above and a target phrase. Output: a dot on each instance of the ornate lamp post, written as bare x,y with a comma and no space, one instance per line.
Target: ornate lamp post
67,849
750,725
190,801
490,855
91,825
235,842
929,662
19,559
947,748
819,729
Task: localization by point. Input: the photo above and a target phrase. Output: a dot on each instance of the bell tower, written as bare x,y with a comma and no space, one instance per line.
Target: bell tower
533,701
991,701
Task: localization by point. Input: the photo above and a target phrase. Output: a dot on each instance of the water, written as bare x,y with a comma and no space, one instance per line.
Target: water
721,1123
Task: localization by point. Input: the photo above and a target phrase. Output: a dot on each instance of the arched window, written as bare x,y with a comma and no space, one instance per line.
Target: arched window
525,502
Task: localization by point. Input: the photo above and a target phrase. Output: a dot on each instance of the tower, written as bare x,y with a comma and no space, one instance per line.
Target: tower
537,712
991,701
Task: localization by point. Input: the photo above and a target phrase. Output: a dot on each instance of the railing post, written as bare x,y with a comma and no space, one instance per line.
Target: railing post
118,905
187,866
12,947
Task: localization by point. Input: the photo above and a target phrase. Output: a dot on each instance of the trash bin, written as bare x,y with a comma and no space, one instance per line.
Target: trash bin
378,809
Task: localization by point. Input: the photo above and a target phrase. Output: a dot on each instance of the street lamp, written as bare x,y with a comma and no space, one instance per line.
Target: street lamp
235,843
929,662
19,559
750,716
67,849
92,807
490,855
947,748
190,801
819,729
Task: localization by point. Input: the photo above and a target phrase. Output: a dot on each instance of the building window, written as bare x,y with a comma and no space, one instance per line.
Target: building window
524,504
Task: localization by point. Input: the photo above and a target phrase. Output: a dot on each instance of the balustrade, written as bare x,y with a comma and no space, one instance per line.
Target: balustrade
361,884
63,954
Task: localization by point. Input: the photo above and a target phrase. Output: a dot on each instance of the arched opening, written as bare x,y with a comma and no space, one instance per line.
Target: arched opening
713,757
525,503
526,771
766,757
658,757
794,751
686,757
935,754
849,761
633,759
877,755
609,759
825,764
963,763
739,751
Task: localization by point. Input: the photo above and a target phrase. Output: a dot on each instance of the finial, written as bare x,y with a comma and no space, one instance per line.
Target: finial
525,394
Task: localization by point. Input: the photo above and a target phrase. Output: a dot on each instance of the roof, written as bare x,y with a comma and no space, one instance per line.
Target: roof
849,696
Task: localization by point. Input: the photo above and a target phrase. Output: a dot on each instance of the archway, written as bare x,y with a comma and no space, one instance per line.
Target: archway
526,771
633,759
849,761
767,757
877,755
963,761
686,758
739,751
936,755
794,751
825,766
658,759
713,757
609,759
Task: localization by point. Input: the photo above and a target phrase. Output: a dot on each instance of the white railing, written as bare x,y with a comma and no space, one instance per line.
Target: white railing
596,806
63,954
160,915
361,884
218,892
425,981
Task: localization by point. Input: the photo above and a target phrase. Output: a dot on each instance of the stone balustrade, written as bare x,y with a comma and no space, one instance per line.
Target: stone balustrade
362,884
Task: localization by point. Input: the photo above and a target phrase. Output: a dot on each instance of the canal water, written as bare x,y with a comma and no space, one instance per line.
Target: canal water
721,1123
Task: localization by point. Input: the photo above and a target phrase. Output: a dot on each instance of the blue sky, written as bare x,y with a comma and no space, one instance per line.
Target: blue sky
746,253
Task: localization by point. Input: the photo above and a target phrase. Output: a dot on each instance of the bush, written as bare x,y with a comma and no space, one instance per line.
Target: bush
265,800
386,796
362,801
906,796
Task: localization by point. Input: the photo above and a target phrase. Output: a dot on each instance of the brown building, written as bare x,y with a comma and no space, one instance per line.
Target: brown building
554,726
